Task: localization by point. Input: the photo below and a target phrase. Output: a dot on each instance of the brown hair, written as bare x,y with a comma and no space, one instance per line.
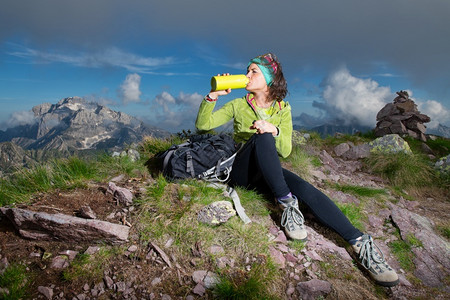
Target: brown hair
278,90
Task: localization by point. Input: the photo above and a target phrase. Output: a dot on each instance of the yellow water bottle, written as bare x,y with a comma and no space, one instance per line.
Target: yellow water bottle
219,83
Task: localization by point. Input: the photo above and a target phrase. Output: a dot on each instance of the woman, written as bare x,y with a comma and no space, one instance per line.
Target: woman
263,121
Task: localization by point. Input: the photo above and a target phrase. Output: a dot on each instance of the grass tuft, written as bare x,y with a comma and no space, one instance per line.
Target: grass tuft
90,268
402,170
14,281
248,285
360,190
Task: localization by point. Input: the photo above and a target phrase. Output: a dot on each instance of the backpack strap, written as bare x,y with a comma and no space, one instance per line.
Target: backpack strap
230,192
189,164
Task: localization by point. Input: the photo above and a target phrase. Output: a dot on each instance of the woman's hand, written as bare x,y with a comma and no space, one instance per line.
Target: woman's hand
216,94
263,126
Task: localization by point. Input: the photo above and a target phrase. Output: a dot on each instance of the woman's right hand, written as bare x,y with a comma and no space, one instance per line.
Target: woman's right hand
216,94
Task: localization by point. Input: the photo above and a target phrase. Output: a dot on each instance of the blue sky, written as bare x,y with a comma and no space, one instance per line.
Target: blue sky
154,59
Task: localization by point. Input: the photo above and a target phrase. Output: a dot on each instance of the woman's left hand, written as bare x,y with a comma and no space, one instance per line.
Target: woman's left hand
263,126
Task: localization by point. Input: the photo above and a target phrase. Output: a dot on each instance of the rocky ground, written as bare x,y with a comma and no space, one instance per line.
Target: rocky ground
323,268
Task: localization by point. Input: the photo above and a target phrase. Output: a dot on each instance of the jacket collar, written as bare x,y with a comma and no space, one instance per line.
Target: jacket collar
251,101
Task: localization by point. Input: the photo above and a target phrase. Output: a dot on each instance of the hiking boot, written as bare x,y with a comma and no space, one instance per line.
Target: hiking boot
292,219
370,257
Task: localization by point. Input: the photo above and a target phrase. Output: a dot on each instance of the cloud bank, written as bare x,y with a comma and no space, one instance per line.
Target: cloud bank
352,100
436,111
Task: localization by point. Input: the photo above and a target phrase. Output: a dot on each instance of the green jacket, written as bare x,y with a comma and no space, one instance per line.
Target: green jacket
242,111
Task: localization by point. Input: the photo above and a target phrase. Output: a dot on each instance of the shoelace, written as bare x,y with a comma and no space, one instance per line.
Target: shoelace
294,214
368,256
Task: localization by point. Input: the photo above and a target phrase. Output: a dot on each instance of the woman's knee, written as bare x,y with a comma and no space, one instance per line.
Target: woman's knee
264,139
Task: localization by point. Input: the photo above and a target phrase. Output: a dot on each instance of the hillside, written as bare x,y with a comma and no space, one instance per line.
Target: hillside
170,254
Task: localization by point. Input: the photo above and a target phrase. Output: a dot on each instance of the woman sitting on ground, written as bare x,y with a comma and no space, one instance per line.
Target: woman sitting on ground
263,121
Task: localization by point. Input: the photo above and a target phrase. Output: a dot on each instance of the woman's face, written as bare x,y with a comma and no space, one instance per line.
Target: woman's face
256,79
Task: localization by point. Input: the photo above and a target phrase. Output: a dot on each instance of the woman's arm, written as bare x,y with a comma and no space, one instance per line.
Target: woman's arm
207,119
283,141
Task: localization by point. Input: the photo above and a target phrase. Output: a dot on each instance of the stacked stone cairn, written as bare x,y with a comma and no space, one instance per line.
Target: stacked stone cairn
401,117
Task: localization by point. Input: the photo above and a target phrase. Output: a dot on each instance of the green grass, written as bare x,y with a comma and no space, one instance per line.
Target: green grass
248,285
301,162
440,146
170,209
402,249
360,191
403,170
405,257
354,214
90,268
444,230
63,174
16,280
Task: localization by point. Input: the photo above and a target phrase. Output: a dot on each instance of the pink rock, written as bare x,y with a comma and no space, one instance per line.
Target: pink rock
199,289
277,257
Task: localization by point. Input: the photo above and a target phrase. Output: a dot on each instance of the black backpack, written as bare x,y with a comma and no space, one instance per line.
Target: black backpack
205,156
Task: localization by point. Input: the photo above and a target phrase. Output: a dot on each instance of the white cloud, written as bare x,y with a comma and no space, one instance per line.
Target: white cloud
108,57
436,111
351,99
18,118
130,89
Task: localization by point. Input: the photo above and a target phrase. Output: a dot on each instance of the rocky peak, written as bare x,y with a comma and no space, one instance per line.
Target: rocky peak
74,123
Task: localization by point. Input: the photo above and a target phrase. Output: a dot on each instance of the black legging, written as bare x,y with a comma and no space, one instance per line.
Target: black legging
257,166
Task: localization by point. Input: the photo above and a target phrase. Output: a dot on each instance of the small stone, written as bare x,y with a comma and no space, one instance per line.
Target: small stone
198,276
108,281
92,250
291,258
70,254
132,248
211,279
59,262
277,257
120,286
46,291
86,212
314,288
156,281
290,291
199,289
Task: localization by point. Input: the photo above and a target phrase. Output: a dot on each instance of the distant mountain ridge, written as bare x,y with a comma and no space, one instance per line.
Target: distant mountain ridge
330,129
75,124
440,130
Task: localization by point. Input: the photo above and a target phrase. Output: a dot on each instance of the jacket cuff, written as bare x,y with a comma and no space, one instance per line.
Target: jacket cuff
278,132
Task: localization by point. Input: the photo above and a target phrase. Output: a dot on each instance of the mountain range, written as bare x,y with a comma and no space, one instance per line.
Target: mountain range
71,125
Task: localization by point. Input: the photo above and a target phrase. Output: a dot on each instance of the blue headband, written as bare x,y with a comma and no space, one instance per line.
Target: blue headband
267,65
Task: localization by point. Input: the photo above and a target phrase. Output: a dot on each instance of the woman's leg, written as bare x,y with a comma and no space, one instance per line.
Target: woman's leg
257,166
321,206
257,160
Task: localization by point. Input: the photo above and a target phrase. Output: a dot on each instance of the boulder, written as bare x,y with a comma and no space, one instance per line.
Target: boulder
391,143
443,164
432,256
44,226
